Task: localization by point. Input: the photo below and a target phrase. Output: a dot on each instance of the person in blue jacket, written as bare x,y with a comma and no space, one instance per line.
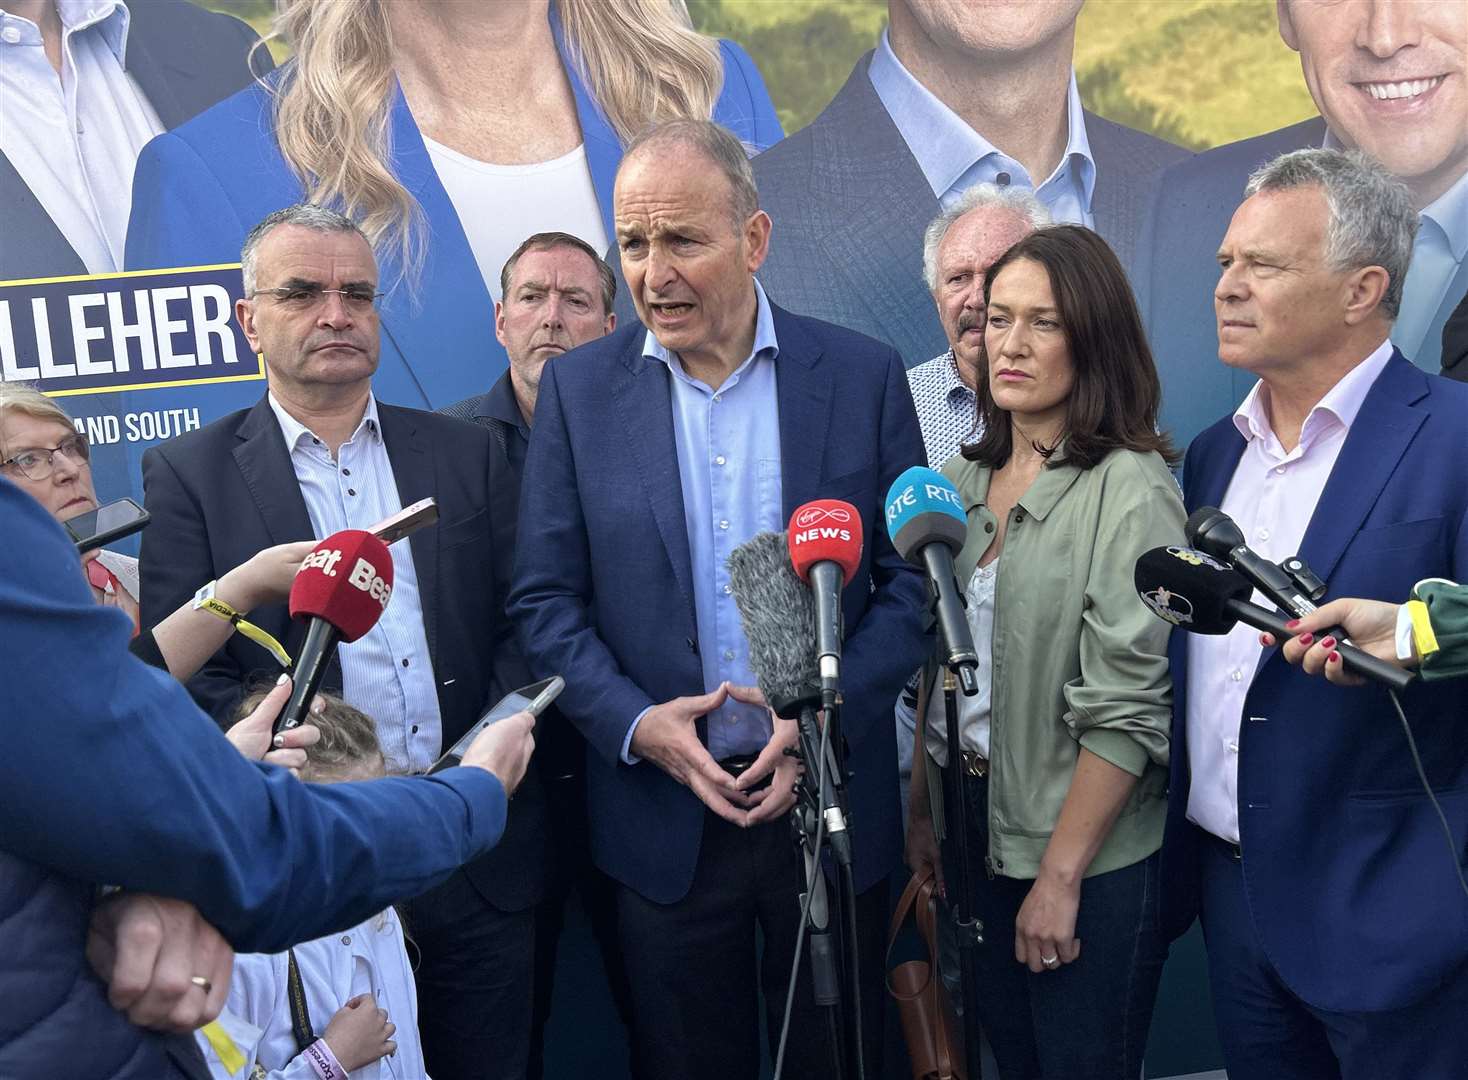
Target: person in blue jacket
112,775
450,132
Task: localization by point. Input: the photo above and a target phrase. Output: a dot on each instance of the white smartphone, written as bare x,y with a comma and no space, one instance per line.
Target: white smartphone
532,699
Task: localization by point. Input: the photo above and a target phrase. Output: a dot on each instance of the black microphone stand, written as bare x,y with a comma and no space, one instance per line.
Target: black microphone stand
819,821
968,931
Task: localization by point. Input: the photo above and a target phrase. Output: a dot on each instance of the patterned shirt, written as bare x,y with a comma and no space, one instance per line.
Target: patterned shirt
947,408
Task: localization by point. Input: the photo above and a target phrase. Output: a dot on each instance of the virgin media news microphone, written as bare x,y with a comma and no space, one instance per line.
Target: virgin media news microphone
1212,531
928,526
342,588
1194,591
825,550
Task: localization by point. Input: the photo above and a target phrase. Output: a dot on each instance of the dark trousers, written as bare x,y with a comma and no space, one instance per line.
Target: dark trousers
693,968
474,983
1269,1034
1087,1020
573,871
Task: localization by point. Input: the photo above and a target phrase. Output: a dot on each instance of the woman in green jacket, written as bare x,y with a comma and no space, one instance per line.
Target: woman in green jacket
1065,748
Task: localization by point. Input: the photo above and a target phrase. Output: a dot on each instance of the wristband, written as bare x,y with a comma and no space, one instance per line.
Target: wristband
1423,639
205,600
323,1061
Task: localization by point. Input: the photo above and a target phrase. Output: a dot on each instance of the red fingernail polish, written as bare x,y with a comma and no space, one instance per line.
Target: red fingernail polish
1306,639
1292,624
1333,658
1329,642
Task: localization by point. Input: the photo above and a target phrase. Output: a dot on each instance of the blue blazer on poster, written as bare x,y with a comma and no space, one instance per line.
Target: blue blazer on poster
200,188
1349,877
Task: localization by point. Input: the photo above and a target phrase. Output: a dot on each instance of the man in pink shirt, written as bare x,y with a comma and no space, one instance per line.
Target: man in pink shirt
1299,831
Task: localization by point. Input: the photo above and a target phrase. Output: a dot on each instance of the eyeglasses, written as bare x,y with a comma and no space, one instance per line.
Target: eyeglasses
310,297
39,462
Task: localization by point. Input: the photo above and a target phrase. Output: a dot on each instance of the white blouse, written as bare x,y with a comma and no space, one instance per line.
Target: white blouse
973,712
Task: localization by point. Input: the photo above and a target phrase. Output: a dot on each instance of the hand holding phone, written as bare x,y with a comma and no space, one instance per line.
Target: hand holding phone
532,699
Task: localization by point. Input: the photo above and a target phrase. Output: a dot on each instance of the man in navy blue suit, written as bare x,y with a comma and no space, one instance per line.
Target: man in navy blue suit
1337,931
1388,77
656,451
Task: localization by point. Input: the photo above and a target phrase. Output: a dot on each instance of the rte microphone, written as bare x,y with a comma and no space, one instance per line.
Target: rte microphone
825,541
928,526
1192,590
342,587
1212,531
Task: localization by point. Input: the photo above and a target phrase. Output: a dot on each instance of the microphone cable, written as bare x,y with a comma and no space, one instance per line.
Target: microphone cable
1427,787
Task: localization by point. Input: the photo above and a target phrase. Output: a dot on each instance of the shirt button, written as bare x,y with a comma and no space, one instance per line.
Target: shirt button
718,397
1263,534
1233,747
11,34
728,589
728,654
346,939
346,472
351,491
1002,179
405,661
1279,470
415,729
1236,675
724,524
719,460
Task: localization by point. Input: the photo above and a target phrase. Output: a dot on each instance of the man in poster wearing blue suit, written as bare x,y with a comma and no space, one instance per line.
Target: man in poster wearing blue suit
656,452
956,93
1336,926
1388,78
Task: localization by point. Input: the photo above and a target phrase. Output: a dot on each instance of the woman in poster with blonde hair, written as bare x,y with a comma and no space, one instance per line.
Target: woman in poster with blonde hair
450,131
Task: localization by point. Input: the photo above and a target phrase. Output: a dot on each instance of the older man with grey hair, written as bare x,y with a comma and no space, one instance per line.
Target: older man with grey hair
318,453
1300,830
959,246
658,450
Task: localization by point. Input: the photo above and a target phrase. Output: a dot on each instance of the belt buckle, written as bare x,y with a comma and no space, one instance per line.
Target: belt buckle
975,764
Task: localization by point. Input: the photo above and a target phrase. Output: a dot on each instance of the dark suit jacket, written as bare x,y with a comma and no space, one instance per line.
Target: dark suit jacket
1347,872
1455,342
1195,202
184,59
603,589
222,493
850,204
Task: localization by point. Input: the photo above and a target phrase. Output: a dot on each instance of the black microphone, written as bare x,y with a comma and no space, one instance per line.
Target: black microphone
1192,590
928,527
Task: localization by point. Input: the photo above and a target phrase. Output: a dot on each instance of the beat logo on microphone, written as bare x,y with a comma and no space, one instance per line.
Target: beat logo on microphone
350,599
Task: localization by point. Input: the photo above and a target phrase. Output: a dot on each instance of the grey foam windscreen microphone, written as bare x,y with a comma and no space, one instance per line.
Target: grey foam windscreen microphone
778,613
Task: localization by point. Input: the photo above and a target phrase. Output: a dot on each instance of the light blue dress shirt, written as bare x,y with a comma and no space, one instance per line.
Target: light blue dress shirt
1437,256
75,137
954,157
387,673
728,443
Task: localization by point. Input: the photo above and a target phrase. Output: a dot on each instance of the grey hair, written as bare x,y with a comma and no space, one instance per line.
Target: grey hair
307,216
1372,220
719,145
1021,202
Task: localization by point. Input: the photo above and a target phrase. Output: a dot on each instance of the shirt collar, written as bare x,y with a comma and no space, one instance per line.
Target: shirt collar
295,431
111,17
764,336
1341,403
953,380
1449,211
501,404
943,144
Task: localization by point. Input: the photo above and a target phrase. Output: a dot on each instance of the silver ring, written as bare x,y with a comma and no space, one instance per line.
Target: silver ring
1049,961
202,983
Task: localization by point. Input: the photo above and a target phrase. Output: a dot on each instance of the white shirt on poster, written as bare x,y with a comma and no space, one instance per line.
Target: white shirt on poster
1272,497
500,205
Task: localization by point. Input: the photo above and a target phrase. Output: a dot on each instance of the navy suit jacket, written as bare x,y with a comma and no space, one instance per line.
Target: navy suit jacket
1195,202
1345,865
850,204
603,590
222,493
184,60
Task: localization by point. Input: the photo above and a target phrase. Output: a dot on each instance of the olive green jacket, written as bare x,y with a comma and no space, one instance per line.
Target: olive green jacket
1078,659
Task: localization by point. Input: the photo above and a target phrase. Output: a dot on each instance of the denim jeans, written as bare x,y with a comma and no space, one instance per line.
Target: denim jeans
1086,1020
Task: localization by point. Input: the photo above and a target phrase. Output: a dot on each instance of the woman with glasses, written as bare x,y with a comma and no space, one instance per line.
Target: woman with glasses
43,454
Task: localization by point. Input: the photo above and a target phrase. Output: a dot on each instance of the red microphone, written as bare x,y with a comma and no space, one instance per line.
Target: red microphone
825,548
342,588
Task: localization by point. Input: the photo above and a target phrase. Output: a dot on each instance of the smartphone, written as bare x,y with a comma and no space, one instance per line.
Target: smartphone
532,699
101,526
406,521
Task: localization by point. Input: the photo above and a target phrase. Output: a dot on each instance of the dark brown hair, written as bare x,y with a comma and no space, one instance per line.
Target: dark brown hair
1114,401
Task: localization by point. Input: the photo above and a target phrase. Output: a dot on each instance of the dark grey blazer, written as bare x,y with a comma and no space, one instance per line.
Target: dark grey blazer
184,59
850,204
1195,202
